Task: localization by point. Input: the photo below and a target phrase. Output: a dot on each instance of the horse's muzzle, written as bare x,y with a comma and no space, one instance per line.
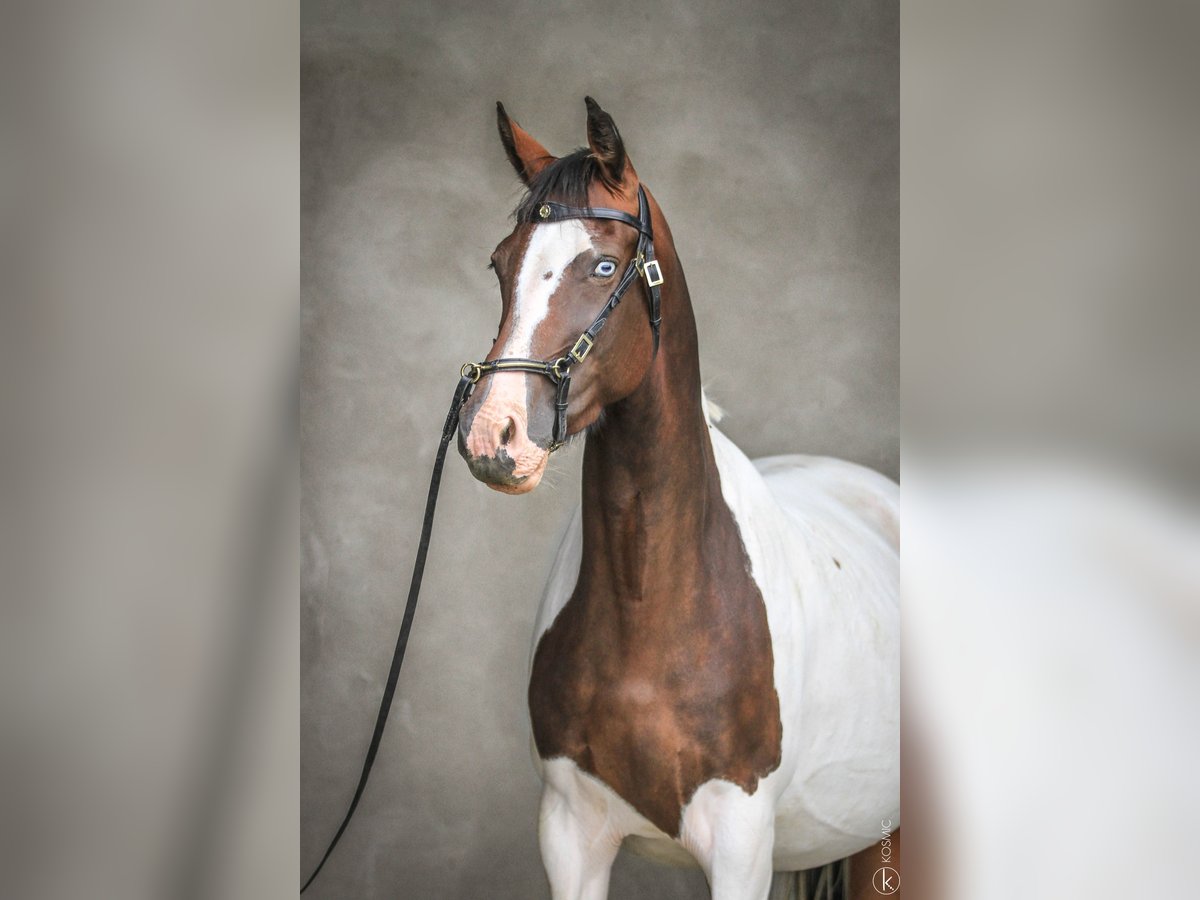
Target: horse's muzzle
498,469
499,472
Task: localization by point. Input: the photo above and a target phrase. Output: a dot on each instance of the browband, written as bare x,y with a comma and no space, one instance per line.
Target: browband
552,211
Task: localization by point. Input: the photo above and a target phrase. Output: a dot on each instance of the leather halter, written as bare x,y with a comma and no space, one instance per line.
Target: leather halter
559,370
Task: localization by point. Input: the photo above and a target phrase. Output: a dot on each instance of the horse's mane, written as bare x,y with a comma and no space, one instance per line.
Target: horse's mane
565,180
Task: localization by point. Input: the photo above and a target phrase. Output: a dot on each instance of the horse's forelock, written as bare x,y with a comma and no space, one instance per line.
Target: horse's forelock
566,180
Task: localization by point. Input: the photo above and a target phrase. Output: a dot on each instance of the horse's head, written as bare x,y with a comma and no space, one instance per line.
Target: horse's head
556,277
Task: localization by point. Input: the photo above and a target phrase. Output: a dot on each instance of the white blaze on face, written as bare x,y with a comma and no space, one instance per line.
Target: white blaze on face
552,247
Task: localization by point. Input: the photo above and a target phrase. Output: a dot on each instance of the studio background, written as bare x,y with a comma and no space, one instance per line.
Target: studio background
768,132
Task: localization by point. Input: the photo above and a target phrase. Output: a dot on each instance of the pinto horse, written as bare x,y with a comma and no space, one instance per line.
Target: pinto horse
715,673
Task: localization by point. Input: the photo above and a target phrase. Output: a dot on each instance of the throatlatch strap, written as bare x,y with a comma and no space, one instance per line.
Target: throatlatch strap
414,591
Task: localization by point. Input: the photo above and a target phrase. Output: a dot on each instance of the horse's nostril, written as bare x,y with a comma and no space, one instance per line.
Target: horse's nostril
506,433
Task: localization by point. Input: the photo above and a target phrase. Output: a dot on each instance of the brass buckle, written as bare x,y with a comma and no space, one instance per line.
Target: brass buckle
655,279
587,343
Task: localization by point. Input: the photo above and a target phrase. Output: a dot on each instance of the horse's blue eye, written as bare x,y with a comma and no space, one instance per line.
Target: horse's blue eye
605,268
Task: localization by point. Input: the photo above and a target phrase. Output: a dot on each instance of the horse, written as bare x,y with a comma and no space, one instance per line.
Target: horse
714,678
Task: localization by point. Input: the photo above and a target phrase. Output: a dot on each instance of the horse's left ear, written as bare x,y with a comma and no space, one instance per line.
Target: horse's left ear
606,144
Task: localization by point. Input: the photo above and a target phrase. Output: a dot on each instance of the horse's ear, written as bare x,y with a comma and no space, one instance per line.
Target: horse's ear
527,156
606,143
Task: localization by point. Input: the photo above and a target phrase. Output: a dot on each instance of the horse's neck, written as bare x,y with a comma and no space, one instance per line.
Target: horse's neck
649,475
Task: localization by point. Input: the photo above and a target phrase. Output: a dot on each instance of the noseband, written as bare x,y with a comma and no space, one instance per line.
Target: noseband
559,370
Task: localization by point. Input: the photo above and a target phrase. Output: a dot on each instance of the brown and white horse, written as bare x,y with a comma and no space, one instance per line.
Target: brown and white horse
715,676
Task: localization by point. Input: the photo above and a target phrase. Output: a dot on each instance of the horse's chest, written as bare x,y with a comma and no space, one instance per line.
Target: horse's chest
656,711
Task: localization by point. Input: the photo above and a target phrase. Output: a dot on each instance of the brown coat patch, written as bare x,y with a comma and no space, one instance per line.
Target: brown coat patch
655,695
658,674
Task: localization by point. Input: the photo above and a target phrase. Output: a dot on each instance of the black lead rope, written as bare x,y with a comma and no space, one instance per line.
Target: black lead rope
559,373
414,591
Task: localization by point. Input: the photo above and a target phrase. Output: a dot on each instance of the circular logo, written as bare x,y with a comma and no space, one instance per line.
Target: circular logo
886,880
544,211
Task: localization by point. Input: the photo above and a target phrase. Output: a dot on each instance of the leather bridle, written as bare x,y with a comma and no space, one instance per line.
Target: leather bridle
559,370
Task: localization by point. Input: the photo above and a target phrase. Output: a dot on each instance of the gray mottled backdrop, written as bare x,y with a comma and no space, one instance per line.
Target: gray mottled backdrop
769,134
